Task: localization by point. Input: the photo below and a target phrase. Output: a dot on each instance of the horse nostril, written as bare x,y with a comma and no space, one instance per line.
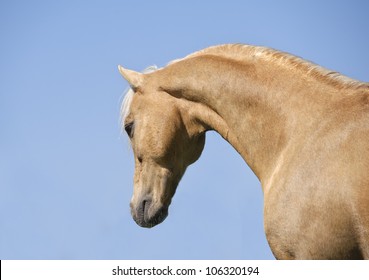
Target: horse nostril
145,208
139,159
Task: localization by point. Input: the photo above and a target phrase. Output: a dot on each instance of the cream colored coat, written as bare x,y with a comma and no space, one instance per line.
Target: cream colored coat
302,129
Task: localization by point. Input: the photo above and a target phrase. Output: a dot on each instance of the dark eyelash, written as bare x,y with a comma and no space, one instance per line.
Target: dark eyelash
129,129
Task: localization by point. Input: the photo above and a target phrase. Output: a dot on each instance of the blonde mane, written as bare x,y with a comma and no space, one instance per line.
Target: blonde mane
241,52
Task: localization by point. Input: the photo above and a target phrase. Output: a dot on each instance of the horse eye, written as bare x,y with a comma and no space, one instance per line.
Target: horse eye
129,129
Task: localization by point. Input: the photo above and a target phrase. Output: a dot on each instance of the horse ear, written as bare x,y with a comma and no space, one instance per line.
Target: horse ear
134,79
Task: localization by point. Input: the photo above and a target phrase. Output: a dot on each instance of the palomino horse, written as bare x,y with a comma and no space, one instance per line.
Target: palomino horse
303,130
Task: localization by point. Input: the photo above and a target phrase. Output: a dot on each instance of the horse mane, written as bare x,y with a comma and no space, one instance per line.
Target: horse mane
241,52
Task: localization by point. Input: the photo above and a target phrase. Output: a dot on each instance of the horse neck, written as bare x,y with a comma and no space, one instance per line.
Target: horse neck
253,106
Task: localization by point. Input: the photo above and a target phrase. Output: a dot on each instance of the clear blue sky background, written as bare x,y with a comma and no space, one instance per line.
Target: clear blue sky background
65,168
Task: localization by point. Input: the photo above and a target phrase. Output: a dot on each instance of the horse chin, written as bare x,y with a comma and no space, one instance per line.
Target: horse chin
146,215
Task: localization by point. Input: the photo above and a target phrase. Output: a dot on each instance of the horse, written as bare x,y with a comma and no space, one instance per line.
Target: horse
302,129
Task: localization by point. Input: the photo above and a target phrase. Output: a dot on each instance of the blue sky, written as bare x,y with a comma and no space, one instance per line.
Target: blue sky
65,168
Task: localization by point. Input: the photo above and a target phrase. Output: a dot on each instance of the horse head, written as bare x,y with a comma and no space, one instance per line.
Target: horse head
164,141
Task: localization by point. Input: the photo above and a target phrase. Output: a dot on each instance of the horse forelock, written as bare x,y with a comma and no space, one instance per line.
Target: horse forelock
126,104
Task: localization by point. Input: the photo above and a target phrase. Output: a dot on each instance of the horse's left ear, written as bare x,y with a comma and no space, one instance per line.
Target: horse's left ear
134,79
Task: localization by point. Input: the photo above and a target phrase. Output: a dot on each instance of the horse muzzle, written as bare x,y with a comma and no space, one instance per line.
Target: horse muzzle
147,214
